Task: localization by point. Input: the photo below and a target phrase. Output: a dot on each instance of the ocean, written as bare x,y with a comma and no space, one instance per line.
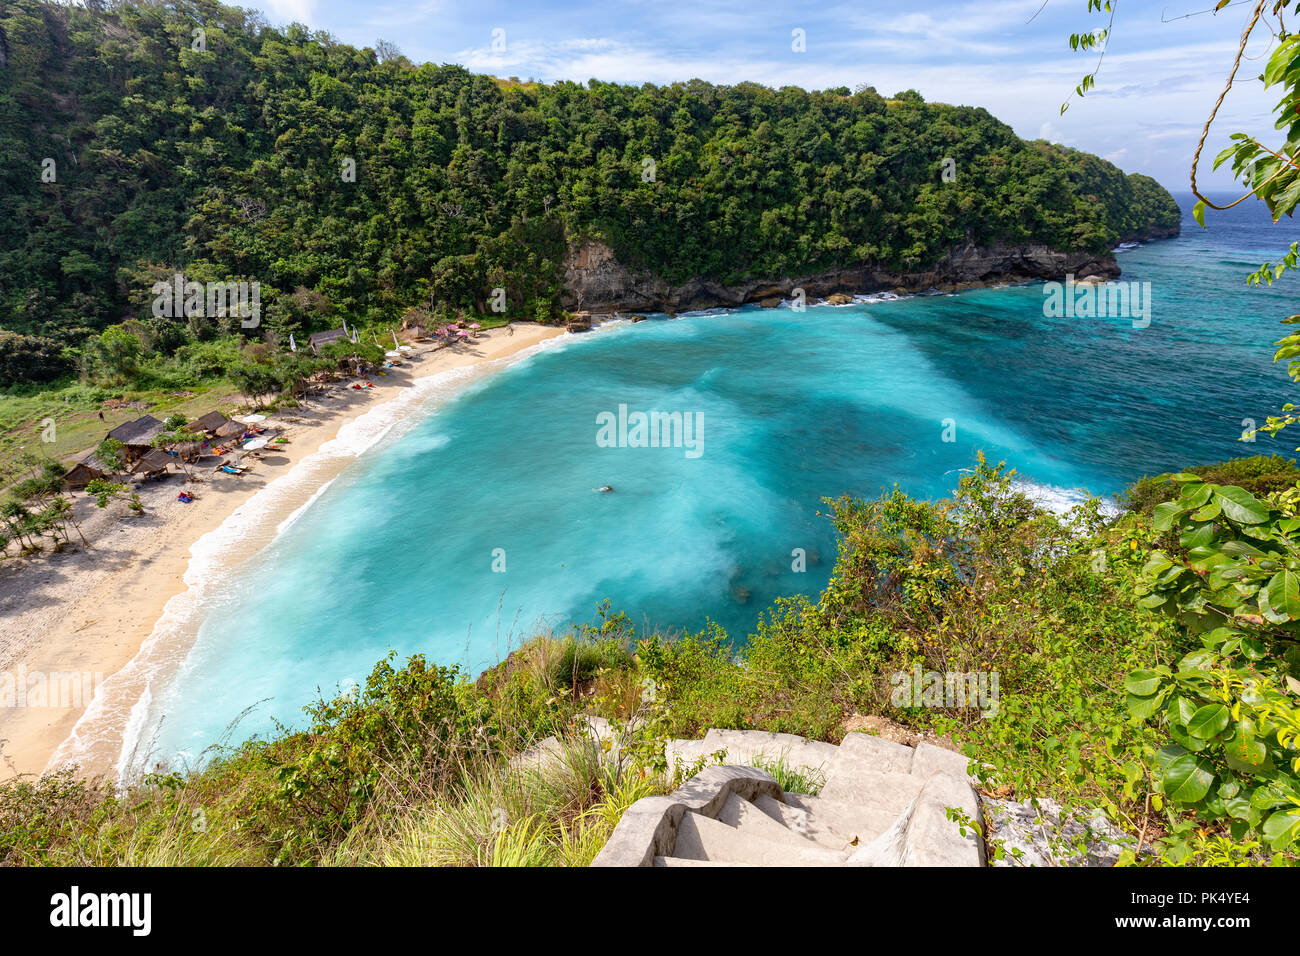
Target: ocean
475,518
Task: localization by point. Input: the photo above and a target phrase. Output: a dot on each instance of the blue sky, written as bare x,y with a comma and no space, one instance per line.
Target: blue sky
1156,87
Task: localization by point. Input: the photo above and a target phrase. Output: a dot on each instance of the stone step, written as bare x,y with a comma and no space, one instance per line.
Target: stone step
867,752
852,783
746,747
836,824
702,838
751,821
933,839
923,835
928,759
789,817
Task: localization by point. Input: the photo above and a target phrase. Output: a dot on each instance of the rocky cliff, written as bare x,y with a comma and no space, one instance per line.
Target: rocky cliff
595,280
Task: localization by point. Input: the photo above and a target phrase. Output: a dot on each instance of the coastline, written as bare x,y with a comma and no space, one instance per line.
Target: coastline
596,277
138,565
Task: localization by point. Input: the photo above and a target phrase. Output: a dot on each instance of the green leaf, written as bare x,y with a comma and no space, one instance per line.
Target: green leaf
1198,213
1142,683
1284,593
1188,778
1158,563
1245,750
1282,829
1209,721
1241,506
1163,515
1142,707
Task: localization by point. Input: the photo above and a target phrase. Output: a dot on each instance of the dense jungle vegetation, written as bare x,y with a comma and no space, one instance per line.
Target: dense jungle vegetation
142,139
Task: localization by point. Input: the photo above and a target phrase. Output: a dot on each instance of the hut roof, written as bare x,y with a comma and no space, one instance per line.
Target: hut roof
154,460
139,432
325,338
230,429
207,423
85,471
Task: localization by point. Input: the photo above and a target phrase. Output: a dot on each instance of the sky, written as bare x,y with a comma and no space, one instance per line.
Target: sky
1161,74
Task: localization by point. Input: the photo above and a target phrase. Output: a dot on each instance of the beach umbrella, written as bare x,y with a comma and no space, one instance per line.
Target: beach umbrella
406,348
393,354
251,419
475,325
255,444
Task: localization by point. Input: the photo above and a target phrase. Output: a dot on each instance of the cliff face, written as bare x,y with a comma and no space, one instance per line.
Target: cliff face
595,280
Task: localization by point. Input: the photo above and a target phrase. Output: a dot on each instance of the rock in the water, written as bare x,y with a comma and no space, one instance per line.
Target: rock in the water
605,489
1045,839
839,298
771,302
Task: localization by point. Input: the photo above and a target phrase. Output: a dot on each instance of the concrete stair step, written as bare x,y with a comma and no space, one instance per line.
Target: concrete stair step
789,817
923,835
853,783
836,824
749,820
867,752
702,838
746,748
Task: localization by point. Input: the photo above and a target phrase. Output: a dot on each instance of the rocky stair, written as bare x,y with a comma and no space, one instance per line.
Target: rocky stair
882,804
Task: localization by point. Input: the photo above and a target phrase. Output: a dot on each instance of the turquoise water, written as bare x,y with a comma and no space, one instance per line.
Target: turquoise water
399,551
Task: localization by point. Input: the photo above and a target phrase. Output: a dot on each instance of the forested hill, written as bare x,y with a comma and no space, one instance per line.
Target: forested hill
133,146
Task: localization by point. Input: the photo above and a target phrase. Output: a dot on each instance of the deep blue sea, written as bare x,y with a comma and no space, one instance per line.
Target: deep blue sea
404,550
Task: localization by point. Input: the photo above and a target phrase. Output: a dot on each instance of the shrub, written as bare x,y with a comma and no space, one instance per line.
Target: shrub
29,359
1259,474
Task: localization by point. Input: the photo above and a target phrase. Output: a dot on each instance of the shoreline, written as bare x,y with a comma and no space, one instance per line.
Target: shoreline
138,568
609,286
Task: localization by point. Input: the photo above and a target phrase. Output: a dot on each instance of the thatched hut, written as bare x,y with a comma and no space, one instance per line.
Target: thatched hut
137,436
153,463
207,424
317,339
231,429
84,472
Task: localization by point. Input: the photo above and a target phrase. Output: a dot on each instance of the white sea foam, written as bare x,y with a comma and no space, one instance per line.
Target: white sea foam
1060,501
122,703
699,312
297,513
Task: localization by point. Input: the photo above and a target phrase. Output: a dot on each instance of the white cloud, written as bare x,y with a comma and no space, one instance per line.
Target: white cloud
291,11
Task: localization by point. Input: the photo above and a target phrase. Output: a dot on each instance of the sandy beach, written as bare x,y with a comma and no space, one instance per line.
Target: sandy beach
75,619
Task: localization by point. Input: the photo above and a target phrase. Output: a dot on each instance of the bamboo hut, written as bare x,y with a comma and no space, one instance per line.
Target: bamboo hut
137,436
152,464
317,339
84,472
231,429
207,424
